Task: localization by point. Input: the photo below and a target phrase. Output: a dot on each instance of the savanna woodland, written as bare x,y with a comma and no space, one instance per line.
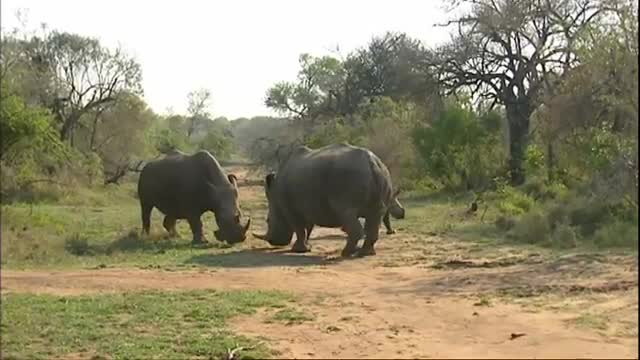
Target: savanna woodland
514,144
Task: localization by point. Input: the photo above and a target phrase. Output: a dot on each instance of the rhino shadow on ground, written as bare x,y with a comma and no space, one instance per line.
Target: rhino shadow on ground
264,257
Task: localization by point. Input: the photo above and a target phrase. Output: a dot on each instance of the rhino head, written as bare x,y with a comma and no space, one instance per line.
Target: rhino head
227,212
278,231
395,208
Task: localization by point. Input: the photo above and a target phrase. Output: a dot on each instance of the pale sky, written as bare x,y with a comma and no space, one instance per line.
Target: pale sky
237,49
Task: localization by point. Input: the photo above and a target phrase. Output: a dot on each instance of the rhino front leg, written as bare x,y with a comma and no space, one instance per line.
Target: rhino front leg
196,228
387,223
145,213
302,244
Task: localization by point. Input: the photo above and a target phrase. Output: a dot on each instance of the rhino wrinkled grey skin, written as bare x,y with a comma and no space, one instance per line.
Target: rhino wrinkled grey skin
332,187
185,186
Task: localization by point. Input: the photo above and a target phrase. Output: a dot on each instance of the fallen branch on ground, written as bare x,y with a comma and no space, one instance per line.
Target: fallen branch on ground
232,353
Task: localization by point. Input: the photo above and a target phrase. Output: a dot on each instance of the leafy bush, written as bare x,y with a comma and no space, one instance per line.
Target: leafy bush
461,148
514,202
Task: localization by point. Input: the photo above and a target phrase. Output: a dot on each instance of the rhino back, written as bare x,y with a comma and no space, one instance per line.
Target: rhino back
175,184
337,173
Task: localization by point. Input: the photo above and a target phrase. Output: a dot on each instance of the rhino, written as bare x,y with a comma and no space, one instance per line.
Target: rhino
186,186
332,186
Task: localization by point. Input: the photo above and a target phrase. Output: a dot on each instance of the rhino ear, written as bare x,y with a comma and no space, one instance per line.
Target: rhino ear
233,179
268,180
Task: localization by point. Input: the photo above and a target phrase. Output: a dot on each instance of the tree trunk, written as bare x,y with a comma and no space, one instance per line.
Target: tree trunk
68,127
518,117
551,161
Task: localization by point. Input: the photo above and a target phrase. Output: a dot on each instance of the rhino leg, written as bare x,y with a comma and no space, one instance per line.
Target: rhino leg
309,230
371,228
302,244
387,223
146,217
196,228
169,224
354,234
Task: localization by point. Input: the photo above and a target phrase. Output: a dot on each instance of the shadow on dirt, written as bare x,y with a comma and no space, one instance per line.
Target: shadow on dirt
524,277
266,257
329,237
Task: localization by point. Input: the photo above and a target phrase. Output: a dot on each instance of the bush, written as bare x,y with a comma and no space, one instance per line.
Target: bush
514,202
540,189
460,148
564,236
77,245
505,223
617,234
533,228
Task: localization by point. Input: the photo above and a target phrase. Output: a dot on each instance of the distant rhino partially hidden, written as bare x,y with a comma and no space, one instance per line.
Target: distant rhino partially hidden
185,186
332,187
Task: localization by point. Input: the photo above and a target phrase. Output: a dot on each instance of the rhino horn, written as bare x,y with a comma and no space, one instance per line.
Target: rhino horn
246,227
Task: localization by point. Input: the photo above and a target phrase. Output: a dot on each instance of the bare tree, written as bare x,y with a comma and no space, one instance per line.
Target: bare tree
510,52
197,107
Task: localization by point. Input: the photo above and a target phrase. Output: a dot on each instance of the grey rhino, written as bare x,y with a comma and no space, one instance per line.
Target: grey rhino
332,187
185,186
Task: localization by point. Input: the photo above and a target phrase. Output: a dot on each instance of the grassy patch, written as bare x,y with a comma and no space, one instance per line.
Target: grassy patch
106,234
592,321
136,325
290,316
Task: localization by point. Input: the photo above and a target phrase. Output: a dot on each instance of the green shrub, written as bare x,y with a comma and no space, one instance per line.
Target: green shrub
617,234
77,244
540,189
514,202
460,148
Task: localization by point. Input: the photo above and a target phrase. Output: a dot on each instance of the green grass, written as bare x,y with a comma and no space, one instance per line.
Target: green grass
48,235
290,316
141,325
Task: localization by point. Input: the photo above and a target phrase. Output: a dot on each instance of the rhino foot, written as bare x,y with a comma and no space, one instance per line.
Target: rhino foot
203,243
391,232
300,248
347,252
366,251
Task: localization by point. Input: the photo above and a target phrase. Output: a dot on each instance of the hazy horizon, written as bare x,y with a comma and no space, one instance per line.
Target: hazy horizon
236,50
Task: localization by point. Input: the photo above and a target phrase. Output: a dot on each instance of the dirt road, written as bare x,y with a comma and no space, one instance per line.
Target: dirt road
365,309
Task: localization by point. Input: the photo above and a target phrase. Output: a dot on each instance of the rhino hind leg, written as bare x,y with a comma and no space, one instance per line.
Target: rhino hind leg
387,223
371,228
169,224
354,231
196,228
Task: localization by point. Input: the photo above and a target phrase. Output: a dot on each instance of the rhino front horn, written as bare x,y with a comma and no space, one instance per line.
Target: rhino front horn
246,227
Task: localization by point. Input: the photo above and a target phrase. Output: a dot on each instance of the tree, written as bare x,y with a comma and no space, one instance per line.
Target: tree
511,52
319,81
392,65
85,75
198,104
